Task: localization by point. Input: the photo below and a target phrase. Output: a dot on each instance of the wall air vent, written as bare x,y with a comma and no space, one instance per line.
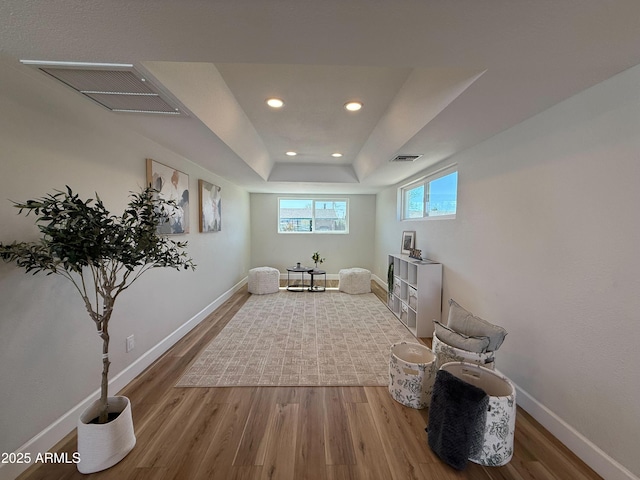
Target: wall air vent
405,158
117,87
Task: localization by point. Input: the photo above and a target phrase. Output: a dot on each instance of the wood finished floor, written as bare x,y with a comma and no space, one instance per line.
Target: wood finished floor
302,433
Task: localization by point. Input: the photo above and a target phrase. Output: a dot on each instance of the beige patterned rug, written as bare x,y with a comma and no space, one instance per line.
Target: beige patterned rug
289,339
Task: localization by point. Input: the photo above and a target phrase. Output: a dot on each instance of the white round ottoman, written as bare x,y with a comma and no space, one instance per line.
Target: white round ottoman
264,280
354,280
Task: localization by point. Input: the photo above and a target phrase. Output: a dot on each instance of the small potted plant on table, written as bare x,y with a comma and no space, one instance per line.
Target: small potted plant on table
315,287
317,259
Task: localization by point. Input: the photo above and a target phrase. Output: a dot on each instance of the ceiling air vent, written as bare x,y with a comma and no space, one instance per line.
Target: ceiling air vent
118,87
405,158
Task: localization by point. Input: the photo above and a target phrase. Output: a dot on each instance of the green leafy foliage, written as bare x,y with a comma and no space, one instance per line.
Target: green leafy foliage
317,258
100,253
78,234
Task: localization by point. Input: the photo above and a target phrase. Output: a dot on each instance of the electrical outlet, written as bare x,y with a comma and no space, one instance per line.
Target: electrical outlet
130,343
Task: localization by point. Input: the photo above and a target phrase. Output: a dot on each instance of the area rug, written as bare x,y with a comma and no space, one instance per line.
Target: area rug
301,338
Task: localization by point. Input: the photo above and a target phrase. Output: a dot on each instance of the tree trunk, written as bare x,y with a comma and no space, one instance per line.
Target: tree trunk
104,387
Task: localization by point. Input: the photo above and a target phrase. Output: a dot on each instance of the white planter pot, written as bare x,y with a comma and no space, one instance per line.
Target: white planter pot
102,446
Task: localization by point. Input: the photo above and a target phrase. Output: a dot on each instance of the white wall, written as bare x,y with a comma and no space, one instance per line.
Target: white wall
50,356
280,251
545,243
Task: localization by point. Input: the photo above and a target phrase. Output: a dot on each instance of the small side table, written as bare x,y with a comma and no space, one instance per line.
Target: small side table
301,270
314,287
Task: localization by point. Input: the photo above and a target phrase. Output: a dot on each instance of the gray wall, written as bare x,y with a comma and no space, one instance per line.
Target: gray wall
50,356
270,248
545,243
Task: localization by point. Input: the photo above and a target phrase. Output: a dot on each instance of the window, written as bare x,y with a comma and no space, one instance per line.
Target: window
432,196
308,215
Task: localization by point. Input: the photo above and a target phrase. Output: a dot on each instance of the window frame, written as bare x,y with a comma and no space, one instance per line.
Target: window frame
313,201
425,182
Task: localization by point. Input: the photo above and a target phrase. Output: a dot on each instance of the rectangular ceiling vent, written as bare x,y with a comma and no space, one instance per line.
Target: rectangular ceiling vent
405,158
117,87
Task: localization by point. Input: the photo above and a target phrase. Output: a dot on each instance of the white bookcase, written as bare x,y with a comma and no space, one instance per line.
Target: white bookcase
416,297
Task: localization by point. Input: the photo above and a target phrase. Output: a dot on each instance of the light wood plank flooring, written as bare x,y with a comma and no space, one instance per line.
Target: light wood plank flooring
307,433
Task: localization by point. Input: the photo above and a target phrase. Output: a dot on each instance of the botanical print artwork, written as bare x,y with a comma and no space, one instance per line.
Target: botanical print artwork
210,207
173,185
290,338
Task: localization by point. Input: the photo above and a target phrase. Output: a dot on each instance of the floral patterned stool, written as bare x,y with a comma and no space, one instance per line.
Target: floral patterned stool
412,371
497,448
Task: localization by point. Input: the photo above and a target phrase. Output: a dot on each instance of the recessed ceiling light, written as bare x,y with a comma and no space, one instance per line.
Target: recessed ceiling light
336,155
291,154
275,102
353,106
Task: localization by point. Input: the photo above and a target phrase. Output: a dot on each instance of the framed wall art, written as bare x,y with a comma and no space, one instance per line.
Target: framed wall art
408,242
171,184
210,207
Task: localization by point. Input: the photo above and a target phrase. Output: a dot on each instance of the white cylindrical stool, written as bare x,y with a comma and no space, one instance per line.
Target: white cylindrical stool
446,353
264,280
499,429
354,280
412,371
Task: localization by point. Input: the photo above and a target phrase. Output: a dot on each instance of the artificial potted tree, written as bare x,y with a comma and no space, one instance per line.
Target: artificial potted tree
101,255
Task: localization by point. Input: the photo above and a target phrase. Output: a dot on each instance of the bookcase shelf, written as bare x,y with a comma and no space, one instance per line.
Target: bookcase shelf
416,297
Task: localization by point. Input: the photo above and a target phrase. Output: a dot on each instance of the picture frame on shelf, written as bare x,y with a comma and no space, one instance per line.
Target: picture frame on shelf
408,241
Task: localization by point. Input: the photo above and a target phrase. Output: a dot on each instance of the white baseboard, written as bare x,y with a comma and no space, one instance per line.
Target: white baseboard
379,281
330,276
55,432
582,447
336,276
